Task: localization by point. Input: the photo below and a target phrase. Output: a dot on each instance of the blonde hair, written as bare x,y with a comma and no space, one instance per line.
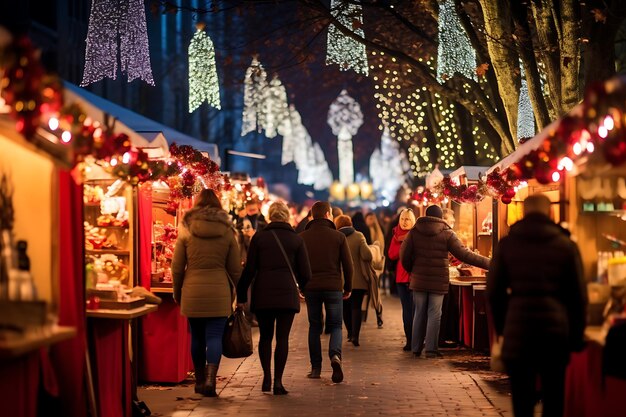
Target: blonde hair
343,221
407,212
279,212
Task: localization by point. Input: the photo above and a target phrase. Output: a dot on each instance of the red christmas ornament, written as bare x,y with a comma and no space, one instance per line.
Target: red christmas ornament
509,193
506,200
615,151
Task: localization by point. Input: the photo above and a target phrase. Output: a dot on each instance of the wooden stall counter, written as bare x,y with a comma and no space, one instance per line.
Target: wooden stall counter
122,314
33,340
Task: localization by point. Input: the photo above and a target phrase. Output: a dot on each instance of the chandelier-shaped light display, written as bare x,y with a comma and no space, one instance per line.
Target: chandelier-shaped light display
341,49
389,167
455,53
345,118
255,87
276,108
525,115
203,81
107,20
308,157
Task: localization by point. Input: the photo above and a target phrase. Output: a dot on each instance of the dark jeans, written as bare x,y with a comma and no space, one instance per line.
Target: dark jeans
206,340
523,376
352,314
332,302
408,308
283,320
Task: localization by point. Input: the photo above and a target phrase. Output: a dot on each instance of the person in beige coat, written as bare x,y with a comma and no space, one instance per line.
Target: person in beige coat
352,314
205,267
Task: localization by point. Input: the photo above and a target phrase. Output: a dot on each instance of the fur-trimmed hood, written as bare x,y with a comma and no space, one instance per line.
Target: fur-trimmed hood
207,222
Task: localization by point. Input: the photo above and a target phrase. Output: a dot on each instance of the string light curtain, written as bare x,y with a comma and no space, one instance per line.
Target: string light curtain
455,54
388,167
525,115
345,118
276,108
109,19
255,87
341,49
203,80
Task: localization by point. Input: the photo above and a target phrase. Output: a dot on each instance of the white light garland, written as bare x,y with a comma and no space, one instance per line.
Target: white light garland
107,19
203,81
341,49
345,118
255,86
388,167
525,115
455,53
276,108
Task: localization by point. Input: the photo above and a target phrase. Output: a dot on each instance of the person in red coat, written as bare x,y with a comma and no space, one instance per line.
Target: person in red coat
400,232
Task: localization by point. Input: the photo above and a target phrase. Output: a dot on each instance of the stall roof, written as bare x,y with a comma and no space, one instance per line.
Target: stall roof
531,144
471,172
143,131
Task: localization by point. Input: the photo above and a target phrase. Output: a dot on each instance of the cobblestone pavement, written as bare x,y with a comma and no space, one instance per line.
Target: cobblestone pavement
380,379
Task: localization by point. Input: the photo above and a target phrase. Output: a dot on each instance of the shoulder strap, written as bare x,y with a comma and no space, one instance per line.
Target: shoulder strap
280,245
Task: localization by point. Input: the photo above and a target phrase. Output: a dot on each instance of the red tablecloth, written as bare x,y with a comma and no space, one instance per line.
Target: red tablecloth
166,344
466,319
586,394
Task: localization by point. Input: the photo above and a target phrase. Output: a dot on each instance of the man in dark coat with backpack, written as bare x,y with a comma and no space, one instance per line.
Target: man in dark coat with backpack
537,295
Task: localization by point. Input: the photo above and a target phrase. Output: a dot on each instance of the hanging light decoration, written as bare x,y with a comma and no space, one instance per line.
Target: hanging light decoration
203,81
255,86
341,49
345,118
388,167
276,108
525,115
455,53
107,19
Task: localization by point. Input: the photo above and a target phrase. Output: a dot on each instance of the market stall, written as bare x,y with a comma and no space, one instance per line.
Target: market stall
579,163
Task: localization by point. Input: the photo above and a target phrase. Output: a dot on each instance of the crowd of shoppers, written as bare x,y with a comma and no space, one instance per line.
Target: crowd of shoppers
535,286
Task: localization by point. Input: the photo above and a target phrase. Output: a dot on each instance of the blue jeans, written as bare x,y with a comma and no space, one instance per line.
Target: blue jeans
333,305
408,309
206,340
429,305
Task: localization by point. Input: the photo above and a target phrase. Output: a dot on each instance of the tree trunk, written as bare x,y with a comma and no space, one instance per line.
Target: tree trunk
499,28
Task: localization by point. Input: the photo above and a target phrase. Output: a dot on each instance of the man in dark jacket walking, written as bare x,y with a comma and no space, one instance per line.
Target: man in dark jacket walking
537,294
329,254
424,253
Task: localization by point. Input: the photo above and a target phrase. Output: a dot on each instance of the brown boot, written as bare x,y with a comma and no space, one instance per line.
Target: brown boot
200,379
210,382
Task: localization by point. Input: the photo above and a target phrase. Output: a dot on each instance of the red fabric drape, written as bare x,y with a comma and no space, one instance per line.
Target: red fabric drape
68,357
586,394
144,211
111,366
166,344
19,382
466,323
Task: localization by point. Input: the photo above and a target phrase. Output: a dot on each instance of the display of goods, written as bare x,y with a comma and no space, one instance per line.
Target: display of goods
92,194
97,238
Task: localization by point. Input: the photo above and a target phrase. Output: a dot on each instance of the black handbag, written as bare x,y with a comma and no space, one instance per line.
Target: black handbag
237,338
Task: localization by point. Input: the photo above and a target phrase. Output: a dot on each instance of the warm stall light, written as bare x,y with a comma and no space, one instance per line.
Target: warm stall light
590,147
577,148
97,133
603,132
566,163
385,203
126,158
556,176
66,136
113,162
53,123
609,123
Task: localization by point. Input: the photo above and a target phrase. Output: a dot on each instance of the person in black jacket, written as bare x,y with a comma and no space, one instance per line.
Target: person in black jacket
537,295
275,294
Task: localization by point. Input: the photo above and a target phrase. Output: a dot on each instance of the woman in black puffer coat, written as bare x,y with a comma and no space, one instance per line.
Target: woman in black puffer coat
424,253
275,295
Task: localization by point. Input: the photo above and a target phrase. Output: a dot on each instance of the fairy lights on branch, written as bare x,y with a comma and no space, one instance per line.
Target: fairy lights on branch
203,79
341,49
525,115
113,23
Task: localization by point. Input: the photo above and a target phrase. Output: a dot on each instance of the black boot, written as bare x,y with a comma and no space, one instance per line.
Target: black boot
210,382
200,379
